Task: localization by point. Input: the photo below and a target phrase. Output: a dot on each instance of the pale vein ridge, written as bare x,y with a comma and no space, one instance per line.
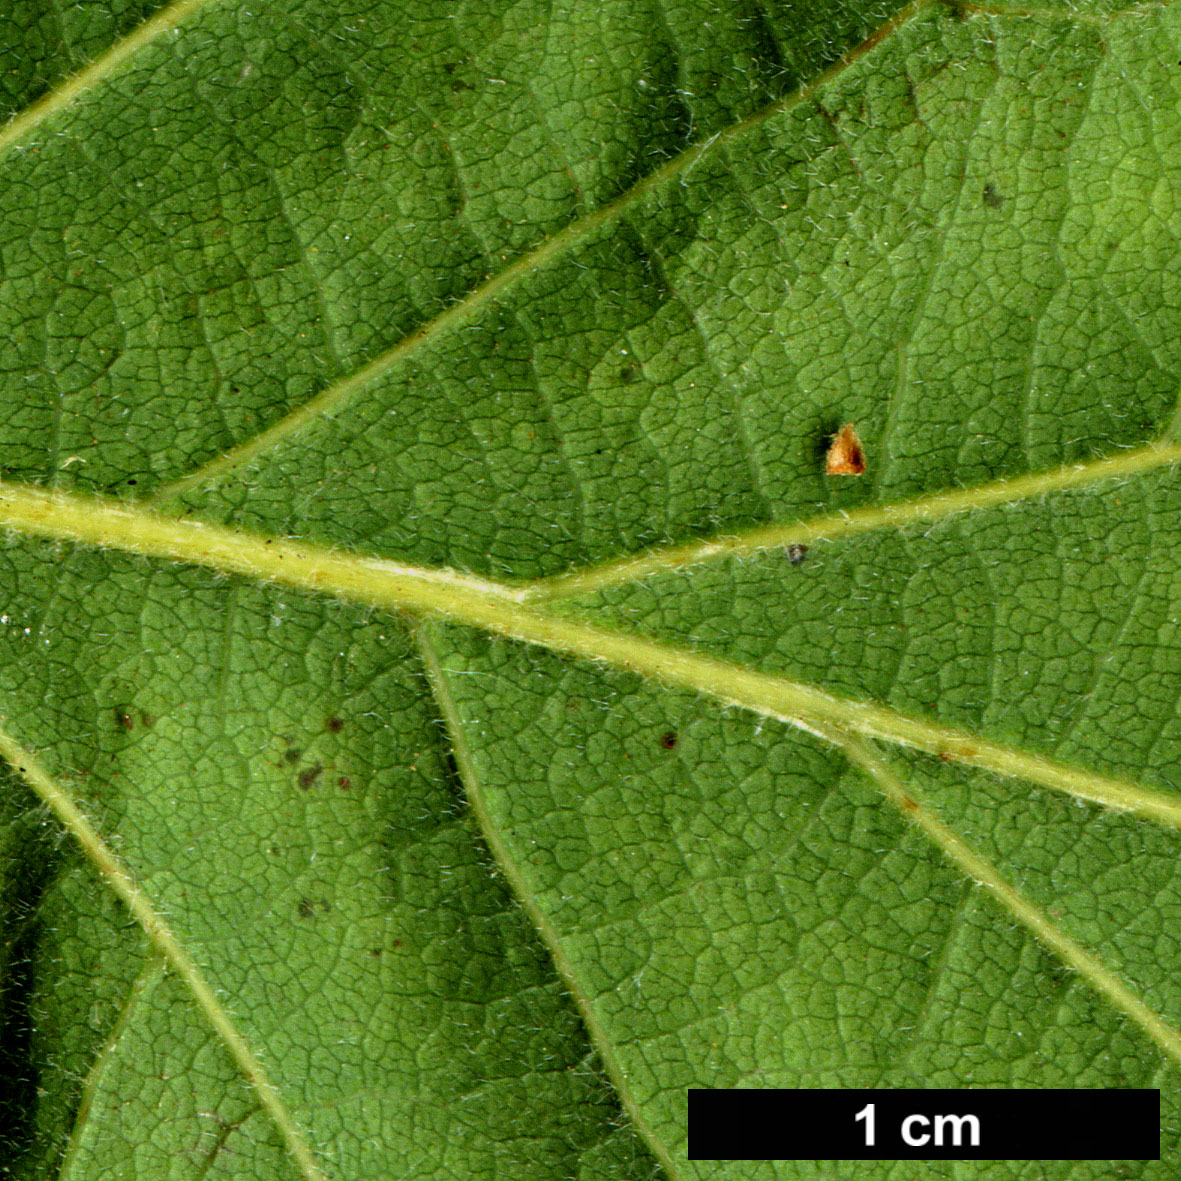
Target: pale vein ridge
830,526
500,609
473,791
1069,16
152,971
166,943
336,396
1036,920
67,92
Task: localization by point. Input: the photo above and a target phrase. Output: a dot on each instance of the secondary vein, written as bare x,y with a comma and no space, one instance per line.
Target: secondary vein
1029,914
336,396
64,95
829,526
542,923
119,878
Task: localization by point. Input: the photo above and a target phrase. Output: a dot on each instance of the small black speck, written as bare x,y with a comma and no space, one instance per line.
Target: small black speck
627,373
309,775
334,724
991,197
292,755
669,740
306,908
796,554
133,481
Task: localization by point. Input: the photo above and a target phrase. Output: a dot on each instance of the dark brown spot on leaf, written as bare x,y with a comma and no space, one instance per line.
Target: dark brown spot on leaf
309,775
796,554
669,740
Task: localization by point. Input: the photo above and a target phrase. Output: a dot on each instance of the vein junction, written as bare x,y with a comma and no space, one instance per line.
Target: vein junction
922,510
505,611
500,609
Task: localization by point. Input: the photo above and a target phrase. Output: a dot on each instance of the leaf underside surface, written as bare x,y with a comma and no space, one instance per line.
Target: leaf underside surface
525,291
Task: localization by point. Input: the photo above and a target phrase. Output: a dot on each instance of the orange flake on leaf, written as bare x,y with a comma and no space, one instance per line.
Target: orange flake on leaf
845,454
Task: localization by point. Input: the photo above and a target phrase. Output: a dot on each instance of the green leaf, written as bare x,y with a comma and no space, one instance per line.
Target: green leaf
424,758
45,44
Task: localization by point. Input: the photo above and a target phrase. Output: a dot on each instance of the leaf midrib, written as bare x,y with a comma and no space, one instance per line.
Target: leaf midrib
316,565
1034,918
499,609
632,567
510,611
505,610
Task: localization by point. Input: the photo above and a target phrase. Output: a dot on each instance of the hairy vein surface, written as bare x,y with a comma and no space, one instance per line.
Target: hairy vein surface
1031,916
337,396
21,127
166,943
550,936
921,510
498,609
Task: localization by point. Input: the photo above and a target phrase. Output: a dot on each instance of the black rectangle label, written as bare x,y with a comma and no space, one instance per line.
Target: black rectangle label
958,1124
